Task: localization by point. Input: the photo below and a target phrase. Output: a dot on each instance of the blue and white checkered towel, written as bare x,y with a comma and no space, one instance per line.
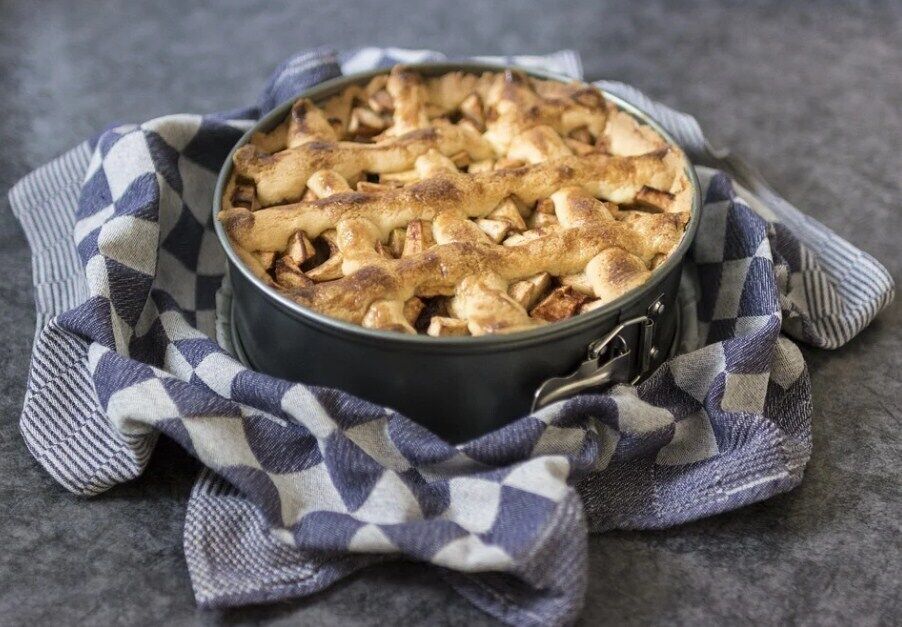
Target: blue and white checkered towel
304,485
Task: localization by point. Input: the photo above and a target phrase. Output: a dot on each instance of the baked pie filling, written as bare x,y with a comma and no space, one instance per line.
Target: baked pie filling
462,204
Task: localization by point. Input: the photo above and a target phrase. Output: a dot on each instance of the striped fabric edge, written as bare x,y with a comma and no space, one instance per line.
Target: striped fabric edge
570,59
863,285
567,62
45,202
234,558
60,409
47,180
63,424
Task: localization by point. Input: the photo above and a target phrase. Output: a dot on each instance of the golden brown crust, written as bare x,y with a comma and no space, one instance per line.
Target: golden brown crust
475,195
525,201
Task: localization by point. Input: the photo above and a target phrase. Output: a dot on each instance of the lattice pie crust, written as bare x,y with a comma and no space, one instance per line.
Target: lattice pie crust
456,205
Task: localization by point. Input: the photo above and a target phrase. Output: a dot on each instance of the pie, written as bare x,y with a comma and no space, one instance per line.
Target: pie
462,204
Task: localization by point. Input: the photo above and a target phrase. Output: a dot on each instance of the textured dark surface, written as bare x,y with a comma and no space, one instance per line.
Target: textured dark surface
810,93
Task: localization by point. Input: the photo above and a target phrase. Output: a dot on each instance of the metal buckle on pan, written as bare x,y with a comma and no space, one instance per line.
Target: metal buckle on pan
608,361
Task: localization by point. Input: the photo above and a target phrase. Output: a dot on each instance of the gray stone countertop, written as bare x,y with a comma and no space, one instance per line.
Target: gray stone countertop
809,92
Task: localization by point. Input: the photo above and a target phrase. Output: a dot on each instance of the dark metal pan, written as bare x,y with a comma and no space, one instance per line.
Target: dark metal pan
458,387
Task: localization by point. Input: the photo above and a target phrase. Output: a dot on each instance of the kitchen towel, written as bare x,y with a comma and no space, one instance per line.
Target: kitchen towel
304,485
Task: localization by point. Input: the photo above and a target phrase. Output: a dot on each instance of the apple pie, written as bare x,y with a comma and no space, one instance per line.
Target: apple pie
455,205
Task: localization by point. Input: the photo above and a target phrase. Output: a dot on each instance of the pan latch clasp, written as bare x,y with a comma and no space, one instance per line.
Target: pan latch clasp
608,362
